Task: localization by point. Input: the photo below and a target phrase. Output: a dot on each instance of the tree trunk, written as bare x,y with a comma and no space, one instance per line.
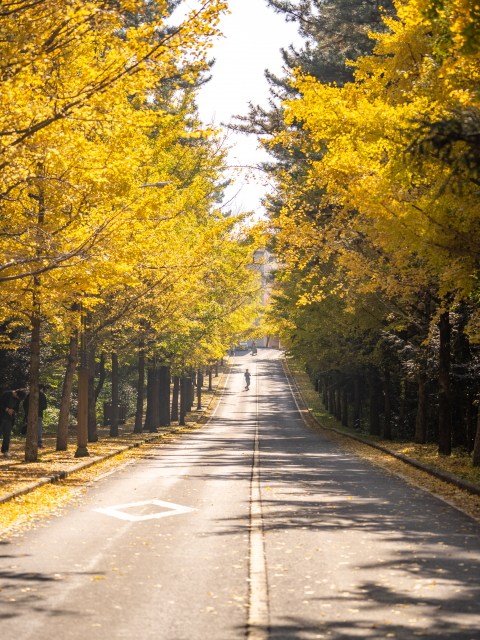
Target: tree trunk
331,401
153,402
422,410
62,429
31,444
103,374
190,394
356,404
316,384
216,368
210,388
476,447
325,394
470,422
444,409
92,413
401,413
140,388
338,405
114,416
387,426
199,389
183,400
373,417
148,414
164,396
345,408
176,388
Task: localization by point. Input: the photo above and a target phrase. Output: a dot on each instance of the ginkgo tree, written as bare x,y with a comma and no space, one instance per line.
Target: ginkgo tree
388,204
87,122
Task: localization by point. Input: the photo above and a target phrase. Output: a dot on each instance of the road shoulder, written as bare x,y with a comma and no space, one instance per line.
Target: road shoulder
459,498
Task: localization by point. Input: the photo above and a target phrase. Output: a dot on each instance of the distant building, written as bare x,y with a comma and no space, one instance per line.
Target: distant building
264,262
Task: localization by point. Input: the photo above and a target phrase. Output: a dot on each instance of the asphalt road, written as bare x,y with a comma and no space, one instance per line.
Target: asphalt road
345,550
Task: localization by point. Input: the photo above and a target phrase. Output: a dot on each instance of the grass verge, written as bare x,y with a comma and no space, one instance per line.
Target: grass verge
459,463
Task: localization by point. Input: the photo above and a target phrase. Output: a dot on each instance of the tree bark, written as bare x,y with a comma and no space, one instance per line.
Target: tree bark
210,388
422,410
216,368
338,404
164,396
92,413
62,429
387,425
469,418
476,447
190,394
140,388
401,413
176,389
31,444
153,422
148,414
444,408
373,417
183,400
344,408
103,374
470,422
199,389
114,415
325,394
155,403
356,404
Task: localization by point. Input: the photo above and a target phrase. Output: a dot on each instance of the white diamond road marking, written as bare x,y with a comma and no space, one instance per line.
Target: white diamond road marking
116,512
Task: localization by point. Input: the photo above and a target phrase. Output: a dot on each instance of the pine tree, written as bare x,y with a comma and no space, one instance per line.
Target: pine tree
335,31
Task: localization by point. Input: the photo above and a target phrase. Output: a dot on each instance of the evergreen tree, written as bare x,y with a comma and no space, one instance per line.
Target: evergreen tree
335,31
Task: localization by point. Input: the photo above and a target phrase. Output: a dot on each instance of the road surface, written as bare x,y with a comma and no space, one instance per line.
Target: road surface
336,548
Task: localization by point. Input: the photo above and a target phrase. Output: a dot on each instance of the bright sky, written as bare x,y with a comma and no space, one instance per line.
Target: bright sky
253,37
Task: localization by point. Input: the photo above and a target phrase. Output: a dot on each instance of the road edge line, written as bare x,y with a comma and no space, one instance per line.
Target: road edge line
258,611
445,476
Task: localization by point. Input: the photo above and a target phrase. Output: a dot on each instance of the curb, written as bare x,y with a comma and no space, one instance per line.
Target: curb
77,467
447,477
93,461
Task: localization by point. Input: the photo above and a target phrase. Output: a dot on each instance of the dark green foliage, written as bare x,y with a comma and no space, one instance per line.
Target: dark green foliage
335,31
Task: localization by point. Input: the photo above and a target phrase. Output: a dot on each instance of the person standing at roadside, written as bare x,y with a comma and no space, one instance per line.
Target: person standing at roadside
247,380
9,406
42,405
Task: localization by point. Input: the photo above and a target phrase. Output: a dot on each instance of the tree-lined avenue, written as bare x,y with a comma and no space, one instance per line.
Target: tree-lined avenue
350,550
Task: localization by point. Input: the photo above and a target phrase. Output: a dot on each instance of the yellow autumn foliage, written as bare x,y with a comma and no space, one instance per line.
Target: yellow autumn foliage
389,163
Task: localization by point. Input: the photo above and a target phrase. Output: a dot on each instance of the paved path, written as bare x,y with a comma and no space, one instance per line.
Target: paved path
350,551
